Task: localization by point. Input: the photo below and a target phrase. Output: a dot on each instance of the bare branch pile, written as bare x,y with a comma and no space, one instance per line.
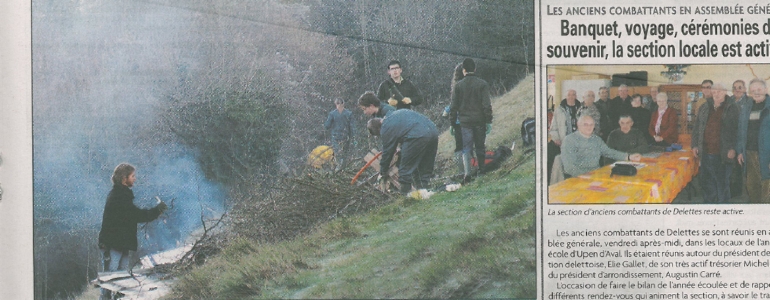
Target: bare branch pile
296,205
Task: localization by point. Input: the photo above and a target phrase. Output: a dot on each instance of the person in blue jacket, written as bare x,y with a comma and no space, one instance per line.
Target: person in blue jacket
418,137
342,126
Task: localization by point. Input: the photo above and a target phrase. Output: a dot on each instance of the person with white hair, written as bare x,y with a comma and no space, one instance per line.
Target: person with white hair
664,124
564,122
588,108
753,145
581,150
714,140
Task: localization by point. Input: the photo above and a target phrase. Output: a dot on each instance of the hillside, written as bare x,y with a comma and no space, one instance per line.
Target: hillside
477,242
509,110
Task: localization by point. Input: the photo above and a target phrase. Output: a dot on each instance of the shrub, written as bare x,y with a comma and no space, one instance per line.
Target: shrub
237,133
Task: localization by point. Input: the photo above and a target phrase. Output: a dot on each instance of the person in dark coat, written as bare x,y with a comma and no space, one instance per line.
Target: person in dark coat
418,137
471,104
641,117
398,91
626,139
371,105
618,106
739,98
714,140
603,105
118,234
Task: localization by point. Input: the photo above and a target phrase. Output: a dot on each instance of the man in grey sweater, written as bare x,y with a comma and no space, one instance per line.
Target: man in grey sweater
581,150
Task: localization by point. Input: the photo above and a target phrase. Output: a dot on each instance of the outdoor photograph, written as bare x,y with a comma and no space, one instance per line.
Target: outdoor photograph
302,148
679,134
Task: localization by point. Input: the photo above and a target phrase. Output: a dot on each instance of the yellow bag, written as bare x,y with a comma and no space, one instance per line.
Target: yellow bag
320,156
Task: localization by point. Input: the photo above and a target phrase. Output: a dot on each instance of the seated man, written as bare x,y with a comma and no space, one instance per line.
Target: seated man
581,150
626,138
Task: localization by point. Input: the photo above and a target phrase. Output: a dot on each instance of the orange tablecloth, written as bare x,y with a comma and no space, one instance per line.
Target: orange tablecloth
660,181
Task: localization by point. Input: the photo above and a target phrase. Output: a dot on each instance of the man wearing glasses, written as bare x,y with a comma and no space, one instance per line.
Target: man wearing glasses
396,90
739,91
705,88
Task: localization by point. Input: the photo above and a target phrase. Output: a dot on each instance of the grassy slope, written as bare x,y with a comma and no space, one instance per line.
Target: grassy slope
477,242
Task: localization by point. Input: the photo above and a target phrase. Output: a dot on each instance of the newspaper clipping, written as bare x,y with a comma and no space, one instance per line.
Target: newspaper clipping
655,149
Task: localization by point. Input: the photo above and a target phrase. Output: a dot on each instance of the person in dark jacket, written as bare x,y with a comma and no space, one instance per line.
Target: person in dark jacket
371,105
714,139
618,106
118,233
342,125
418,137
753,145
626,138
739,98
398,91
641,117
471,104
603,105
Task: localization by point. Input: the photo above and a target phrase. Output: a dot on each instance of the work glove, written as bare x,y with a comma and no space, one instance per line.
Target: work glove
489,128
162,207
383,183
445,114
452,130
392,102
406,100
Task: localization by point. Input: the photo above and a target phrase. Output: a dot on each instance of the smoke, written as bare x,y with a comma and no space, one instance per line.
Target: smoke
101,73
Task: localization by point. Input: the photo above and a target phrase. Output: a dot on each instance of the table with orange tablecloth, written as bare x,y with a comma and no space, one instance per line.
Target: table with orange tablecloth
659,181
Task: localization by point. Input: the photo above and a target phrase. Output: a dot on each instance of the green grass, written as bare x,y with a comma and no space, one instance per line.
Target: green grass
478,242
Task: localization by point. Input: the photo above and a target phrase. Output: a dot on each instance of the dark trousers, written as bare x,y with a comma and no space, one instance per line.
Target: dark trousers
458,137
715,178
736,182
474,138
553,151
417,160
340,145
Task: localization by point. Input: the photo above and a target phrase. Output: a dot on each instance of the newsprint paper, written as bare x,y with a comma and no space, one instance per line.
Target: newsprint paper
600,236
16,275
668,235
